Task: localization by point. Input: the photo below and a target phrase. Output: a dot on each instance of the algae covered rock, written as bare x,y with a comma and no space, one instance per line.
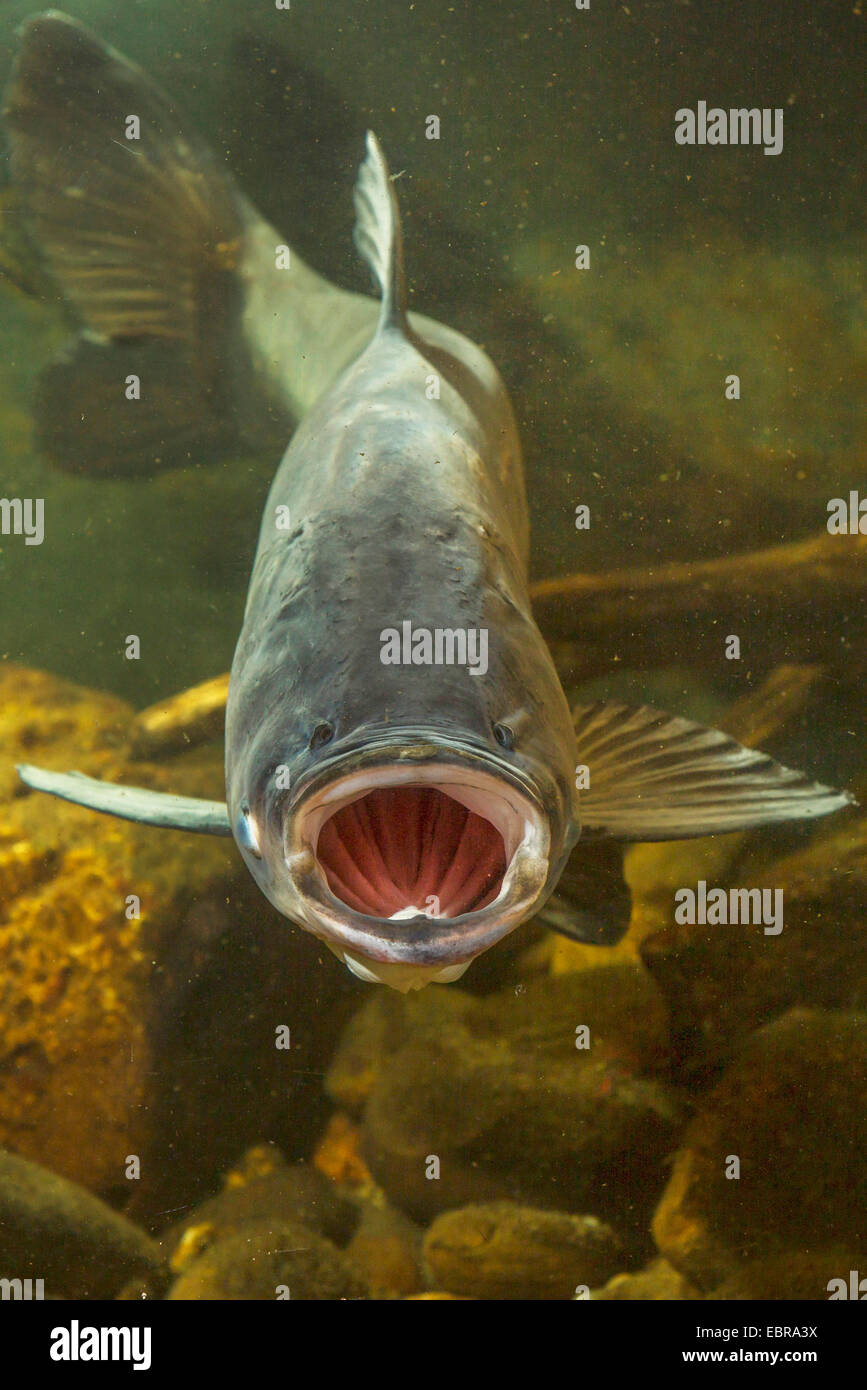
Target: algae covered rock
658,1282
54,1230
816,959
269,1260
787,1116
502,1250
722,980
386,1251
262,1187
798,1274
143,976
535,1094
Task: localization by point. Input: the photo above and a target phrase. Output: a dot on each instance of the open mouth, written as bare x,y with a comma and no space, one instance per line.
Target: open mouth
398,851
417,864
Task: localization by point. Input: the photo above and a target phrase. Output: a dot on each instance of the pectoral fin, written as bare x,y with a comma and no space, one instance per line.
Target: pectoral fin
592,902
653,776
131,803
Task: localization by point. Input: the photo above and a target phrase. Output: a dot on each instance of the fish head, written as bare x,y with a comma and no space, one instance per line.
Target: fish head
409,814
408,850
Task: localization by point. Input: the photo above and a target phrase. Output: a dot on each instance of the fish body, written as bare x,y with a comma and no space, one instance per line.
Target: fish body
402,766
400,504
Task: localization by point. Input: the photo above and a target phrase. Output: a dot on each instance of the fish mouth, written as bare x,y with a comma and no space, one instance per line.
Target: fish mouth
409,867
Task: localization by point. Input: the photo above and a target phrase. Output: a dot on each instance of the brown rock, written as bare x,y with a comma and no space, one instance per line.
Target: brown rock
660,1281
269,1260
54,1230
263,1187
386,1250
194,716
581,1129
151,1036
799,1274
789,1109
818,959
501,1250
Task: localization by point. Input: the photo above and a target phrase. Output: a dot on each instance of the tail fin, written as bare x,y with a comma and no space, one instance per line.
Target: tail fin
377,233
143,236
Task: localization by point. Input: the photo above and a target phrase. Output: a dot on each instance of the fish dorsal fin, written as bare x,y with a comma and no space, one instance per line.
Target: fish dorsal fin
377,233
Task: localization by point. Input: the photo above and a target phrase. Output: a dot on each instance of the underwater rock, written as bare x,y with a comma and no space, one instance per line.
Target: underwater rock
621,1005
789,1110
817,959
54,1230
798,1274
338,1156
501,1250
659,612
383,1024
142,1028
581,1129
386,1251
659,1281
262,1187
269,1260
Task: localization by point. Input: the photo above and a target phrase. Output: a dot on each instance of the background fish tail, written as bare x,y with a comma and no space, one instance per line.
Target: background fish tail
163,265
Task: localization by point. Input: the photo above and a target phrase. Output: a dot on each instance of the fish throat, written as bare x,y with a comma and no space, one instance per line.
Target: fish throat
400,850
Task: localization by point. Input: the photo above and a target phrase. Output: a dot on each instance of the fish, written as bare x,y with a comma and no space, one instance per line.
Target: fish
404,776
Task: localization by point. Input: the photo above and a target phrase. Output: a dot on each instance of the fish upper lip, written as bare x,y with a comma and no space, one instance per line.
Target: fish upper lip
407,744
419,940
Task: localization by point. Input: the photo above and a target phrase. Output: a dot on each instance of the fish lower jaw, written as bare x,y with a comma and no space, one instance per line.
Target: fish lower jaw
398,976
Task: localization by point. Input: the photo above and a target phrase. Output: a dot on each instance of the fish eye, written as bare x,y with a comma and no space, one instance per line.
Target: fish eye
323,733
246,832
504,735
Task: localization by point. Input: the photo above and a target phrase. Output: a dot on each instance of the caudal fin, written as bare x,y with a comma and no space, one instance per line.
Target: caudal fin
142,230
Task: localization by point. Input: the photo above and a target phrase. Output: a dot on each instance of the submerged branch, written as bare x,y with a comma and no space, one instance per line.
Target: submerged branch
683,612
643,617
195,716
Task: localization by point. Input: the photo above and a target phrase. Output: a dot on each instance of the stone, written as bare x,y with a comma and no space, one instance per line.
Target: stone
500,1250
55,1230
818,959
659,1281
149,1035
795,1275
386,1251
789,1109
268,1260
585,1130
261,1187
